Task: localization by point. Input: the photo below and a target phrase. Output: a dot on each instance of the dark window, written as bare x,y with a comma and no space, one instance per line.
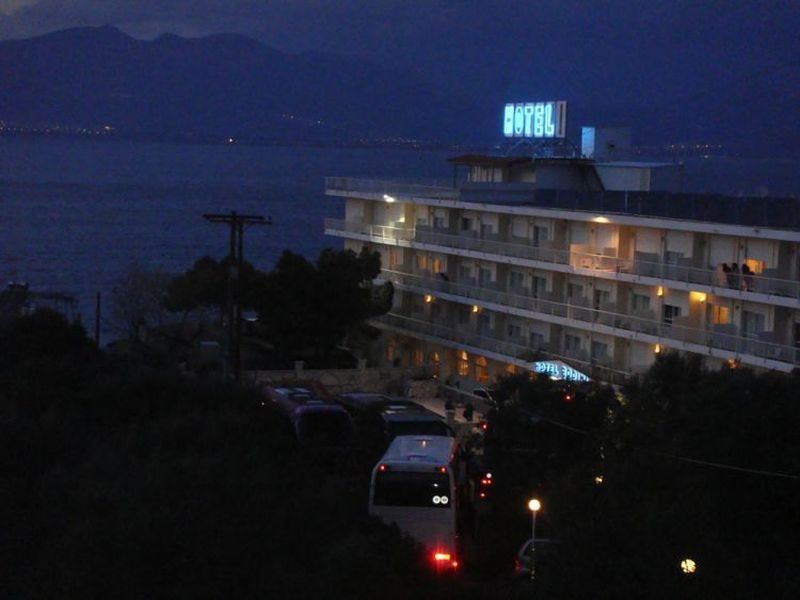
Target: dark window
397,488
670,313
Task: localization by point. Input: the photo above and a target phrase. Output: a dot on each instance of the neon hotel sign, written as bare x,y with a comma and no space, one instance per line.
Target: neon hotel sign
535,119
556,369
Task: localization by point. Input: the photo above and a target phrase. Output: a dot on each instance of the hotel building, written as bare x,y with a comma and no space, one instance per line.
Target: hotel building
525,263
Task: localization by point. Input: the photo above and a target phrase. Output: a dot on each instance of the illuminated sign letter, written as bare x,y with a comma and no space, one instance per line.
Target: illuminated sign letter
519,121
549,123
508,121
528,110
538,120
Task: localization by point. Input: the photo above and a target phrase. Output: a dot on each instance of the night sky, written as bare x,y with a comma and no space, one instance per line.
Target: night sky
616,53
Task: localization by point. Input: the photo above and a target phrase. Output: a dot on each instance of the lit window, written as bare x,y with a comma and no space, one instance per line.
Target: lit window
697,296
481,370
463,364
720,315
756,266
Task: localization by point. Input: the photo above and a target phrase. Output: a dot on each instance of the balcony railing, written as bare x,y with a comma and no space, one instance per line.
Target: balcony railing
588,317
389,188
597,262
496,345
781,213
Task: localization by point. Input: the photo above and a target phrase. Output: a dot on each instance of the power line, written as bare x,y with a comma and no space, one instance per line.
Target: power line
687,459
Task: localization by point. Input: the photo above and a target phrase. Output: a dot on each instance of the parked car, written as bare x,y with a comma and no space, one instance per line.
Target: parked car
525,558
485,394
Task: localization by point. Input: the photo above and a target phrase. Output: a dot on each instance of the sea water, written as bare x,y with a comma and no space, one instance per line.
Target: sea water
76,214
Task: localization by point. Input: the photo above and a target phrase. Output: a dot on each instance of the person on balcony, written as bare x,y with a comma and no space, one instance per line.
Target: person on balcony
728,276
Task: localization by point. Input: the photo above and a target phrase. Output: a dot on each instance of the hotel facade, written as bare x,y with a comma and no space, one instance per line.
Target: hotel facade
576,267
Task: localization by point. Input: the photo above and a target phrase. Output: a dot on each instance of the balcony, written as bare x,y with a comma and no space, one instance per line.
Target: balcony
779,213
601,265
380,188
502,349
581,314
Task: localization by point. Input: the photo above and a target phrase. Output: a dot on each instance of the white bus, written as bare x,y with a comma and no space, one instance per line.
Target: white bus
415,487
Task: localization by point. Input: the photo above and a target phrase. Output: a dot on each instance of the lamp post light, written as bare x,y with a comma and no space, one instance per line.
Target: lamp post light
688,566
534,506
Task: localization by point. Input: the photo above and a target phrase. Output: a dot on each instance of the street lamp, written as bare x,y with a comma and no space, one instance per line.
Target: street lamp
534,506
688,566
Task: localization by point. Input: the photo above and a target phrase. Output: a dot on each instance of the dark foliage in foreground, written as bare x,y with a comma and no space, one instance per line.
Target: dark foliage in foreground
126,482
628,491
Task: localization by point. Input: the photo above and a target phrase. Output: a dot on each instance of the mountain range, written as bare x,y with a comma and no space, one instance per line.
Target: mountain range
228,85
221,85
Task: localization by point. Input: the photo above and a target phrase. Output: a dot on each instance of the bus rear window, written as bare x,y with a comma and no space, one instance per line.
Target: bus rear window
419,428
398,488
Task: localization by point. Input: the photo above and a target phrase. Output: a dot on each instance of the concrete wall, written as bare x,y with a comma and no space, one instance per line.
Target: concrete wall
338,381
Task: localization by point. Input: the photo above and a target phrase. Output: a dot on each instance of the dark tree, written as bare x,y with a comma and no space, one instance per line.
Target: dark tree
205,285
664,496
307,310
45,334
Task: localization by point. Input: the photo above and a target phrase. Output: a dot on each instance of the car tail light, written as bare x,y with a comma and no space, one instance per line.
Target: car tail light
443,559
381,468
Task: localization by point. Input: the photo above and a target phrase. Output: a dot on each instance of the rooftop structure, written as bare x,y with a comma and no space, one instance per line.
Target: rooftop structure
599,265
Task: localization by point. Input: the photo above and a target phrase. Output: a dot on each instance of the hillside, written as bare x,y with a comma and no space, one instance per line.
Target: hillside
225,84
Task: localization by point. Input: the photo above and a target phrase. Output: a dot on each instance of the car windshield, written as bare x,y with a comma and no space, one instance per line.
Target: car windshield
324,428
404,488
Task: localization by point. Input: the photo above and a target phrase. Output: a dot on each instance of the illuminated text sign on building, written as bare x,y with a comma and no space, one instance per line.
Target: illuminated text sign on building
558,370
535,119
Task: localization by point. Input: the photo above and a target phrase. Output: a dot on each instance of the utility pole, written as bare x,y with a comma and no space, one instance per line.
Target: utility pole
237,225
